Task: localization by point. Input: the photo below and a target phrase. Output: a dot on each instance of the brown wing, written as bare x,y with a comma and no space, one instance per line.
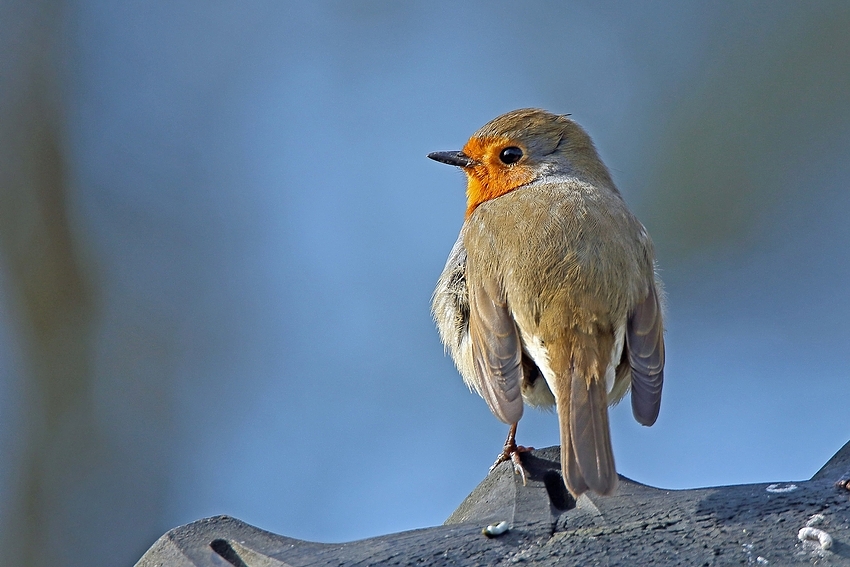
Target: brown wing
496,352
645,341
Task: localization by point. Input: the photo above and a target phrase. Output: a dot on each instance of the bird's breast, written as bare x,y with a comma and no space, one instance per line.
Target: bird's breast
560,250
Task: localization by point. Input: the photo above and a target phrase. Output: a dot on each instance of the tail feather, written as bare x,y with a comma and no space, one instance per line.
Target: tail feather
587,459
569,465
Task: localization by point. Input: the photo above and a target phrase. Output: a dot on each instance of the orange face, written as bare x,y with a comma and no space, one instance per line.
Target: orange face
490,176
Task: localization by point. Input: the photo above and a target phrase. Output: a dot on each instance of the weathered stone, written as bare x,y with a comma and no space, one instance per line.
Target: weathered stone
755,524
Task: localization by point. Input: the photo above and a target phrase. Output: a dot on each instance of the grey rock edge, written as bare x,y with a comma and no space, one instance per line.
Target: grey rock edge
755,524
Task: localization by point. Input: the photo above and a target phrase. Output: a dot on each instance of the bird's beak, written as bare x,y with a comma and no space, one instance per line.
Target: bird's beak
459,159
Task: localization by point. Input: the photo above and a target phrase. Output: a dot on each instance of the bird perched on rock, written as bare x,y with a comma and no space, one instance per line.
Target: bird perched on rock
550,295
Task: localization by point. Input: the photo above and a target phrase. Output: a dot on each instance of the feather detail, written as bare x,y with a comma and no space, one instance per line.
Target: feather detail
589,432
496,352
645,342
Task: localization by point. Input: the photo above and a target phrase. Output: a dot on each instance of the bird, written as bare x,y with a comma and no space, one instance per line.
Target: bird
551,296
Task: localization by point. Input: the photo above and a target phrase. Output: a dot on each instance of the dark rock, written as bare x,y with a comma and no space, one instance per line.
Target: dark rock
754,524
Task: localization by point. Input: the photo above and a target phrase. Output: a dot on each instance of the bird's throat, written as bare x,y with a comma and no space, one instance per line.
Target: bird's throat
482,188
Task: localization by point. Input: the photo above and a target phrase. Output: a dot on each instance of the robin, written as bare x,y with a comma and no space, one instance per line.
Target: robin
550,295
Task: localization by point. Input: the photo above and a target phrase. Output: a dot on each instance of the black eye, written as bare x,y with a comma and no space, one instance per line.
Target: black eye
511,154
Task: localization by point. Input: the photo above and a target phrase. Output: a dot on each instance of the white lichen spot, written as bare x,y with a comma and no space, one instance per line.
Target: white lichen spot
815,534
815,520
779,489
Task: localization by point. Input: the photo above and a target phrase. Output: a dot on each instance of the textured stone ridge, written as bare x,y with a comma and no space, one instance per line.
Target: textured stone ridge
754,524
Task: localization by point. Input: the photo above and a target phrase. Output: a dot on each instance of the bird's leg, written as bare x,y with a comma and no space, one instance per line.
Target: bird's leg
511,453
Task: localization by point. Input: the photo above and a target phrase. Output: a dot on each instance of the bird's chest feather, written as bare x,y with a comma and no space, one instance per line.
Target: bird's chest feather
558,254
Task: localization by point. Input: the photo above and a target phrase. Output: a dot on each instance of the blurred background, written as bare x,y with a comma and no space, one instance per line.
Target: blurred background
219,235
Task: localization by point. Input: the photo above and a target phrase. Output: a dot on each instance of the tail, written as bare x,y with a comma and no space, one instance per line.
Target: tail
587,459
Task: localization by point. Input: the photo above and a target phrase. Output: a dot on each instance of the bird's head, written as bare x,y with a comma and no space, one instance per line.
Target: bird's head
521,147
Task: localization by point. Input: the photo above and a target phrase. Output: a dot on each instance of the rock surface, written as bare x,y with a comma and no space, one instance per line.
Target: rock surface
753,524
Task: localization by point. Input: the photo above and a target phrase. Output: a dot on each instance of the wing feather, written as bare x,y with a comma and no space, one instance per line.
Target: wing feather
496,351
645,342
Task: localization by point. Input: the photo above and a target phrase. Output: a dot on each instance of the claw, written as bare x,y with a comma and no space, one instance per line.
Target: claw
511,452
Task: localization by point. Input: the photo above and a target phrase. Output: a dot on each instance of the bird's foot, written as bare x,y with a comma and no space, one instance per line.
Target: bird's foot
514,457
511,452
